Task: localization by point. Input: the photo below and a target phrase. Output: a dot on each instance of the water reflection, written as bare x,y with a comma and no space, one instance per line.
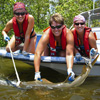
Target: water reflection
42,93
89,90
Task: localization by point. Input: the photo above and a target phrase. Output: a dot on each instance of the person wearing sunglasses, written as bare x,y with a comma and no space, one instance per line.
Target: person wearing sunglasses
57,40
84,39
23,26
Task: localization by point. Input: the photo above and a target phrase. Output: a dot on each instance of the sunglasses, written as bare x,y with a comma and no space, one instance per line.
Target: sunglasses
79,23
53,27
21,13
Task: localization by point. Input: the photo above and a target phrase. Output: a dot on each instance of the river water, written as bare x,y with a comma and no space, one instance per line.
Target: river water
89,90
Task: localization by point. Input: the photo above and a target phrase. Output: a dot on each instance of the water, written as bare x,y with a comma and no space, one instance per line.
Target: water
89,90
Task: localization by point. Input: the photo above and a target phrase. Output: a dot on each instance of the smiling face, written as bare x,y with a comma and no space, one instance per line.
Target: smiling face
56,28
79,26
56,23
19,11
20,16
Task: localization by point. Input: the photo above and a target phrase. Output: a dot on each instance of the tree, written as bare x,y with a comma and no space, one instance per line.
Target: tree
42,10
69,8
6,11
37,8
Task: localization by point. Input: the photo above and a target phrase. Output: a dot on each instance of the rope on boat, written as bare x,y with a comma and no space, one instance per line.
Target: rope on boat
14,66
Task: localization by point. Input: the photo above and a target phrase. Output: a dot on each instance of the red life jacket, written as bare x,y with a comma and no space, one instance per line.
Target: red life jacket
52,41
85,40
16,29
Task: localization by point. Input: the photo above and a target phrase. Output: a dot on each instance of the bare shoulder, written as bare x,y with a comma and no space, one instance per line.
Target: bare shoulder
69,31
30,17
91,35
45,35
44,40
72,29
9,25
10,22
69,35
92,40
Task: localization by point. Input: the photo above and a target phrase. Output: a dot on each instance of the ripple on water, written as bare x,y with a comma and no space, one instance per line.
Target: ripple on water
89,90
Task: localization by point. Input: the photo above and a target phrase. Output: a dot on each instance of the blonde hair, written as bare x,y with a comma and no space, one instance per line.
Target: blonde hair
57,18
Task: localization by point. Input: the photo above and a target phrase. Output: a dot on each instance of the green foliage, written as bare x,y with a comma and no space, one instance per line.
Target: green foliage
6,14
37,8
68,9
42,11
94,23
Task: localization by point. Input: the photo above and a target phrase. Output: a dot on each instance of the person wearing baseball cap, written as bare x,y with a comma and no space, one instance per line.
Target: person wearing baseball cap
23,26
84,39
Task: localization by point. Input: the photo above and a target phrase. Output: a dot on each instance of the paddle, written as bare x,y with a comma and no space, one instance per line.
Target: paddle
14,65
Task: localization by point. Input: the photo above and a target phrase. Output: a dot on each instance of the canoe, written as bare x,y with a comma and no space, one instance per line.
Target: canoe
56,63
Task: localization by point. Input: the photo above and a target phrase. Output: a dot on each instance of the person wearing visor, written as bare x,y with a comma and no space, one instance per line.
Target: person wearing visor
23,26
57,40
84,39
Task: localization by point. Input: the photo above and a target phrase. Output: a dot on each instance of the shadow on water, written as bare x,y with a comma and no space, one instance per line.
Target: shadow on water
7,69
89,90
26,72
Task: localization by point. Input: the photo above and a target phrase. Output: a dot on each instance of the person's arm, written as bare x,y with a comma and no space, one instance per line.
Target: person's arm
70,54
69,49
39,50
28,31
93,45
7,28
92,41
